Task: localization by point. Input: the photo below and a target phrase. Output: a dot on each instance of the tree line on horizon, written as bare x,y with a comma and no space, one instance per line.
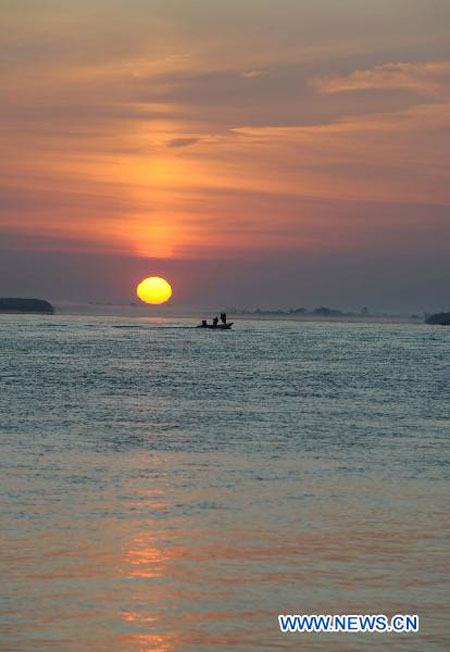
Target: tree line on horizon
322,311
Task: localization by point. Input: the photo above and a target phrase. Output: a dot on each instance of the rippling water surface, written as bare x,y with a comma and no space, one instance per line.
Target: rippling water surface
171,489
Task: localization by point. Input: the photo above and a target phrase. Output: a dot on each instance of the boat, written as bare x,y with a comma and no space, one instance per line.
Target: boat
217,327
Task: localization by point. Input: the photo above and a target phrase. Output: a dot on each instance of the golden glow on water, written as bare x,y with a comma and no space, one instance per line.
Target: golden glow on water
154,289
145,558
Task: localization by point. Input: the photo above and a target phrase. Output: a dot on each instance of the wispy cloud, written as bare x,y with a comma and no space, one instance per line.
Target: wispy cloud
252,74
429,78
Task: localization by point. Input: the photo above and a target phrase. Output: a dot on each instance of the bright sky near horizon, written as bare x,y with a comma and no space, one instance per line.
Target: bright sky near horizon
254,152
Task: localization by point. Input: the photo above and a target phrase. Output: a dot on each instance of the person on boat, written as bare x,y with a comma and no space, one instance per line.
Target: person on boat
223,317
204,323
215,321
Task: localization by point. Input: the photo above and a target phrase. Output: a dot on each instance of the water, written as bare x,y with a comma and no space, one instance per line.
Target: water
171,489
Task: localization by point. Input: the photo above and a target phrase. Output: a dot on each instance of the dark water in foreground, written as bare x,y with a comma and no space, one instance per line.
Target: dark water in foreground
171,489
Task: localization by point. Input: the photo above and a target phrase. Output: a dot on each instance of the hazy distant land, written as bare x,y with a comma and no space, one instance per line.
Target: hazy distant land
321,314
439,319
41,306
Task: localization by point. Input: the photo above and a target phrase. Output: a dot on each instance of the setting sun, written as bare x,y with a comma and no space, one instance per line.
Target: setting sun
154,290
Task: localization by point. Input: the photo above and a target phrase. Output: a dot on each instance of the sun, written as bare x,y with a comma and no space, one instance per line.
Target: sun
154,290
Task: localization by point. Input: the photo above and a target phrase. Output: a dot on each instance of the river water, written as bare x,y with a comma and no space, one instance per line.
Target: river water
171,489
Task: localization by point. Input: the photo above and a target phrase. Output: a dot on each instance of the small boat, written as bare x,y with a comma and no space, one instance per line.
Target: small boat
217,327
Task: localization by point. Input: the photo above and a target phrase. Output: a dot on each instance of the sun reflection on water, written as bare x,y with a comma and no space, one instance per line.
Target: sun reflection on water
145,565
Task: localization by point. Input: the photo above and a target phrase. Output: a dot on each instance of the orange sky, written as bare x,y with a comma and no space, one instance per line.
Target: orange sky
196,130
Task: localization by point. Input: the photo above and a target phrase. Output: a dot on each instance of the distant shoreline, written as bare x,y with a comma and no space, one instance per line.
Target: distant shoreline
173,312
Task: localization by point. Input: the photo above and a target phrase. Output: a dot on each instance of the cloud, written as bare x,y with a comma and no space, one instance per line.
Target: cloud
110,107
252,74
397,156
182,142
430,78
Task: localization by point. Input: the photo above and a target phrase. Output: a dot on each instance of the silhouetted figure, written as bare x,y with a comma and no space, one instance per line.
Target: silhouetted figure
204,322
215,321
223,317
